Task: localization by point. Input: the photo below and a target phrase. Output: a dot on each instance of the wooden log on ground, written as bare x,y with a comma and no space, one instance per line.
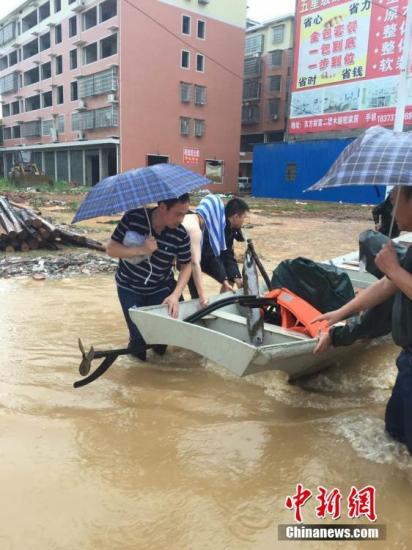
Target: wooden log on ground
24,246
8,226
39,222
8,211
45,234
9,249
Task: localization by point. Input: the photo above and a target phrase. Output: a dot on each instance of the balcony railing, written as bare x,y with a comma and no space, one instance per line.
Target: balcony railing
98,83
108,117
250,114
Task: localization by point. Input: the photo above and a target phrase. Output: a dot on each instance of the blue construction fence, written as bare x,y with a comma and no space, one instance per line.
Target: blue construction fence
285,170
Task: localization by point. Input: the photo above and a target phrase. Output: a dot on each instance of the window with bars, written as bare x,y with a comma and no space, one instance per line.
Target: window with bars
277,58
9,83
278,34
199,127
185,126
6,132
31,129
6,110
251,89
200,95
275,83
98,83
60,124
254,44
252,67
274,108
108,117
250,114
46,126
291,172
185,92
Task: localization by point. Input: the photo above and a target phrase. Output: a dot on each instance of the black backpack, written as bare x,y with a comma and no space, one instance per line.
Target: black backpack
324,286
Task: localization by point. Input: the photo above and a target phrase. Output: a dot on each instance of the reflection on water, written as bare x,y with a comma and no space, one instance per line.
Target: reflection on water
176,453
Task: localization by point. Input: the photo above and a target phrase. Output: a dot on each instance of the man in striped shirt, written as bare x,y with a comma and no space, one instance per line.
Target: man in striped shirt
150,281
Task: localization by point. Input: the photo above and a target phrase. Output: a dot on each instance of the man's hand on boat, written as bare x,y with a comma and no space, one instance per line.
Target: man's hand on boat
324,339
324,343
172,303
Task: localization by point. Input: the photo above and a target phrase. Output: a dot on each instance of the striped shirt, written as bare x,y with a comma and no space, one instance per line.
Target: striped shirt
153,274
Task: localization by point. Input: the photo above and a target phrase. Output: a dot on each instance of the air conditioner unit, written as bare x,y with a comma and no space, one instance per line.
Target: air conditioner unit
111,98
275,117
79,5
54,135
82,105
203,1
81,135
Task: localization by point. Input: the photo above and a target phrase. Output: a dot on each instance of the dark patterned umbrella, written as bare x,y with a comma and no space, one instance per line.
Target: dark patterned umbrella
378,157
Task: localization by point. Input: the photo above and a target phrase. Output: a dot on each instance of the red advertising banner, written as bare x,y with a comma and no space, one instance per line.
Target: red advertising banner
347,62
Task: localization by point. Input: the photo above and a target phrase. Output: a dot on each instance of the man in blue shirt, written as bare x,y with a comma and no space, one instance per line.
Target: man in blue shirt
150,281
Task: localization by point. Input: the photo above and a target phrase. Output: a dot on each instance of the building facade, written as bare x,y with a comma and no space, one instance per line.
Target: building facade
90,88
267,72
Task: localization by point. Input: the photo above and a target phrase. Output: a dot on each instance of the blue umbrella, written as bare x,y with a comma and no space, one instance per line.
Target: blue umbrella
378,157
137,188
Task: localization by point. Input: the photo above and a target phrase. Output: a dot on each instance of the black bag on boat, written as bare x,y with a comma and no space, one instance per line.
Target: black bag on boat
370,243
325,287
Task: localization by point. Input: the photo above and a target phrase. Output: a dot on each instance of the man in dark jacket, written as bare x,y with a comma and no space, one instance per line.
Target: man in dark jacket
382,216
396,285
224,268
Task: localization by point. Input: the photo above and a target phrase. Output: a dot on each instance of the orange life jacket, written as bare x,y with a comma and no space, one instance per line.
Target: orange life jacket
296,313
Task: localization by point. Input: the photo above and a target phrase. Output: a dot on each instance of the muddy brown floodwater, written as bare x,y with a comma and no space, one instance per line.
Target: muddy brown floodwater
177,453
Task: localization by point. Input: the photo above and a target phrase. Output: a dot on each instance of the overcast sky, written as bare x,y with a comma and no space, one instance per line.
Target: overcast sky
258,9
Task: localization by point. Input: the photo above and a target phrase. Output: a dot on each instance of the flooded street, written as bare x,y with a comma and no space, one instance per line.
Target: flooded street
176,453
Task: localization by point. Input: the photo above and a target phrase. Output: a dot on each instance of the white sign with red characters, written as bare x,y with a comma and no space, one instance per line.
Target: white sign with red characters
347,64
191,156
359,503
